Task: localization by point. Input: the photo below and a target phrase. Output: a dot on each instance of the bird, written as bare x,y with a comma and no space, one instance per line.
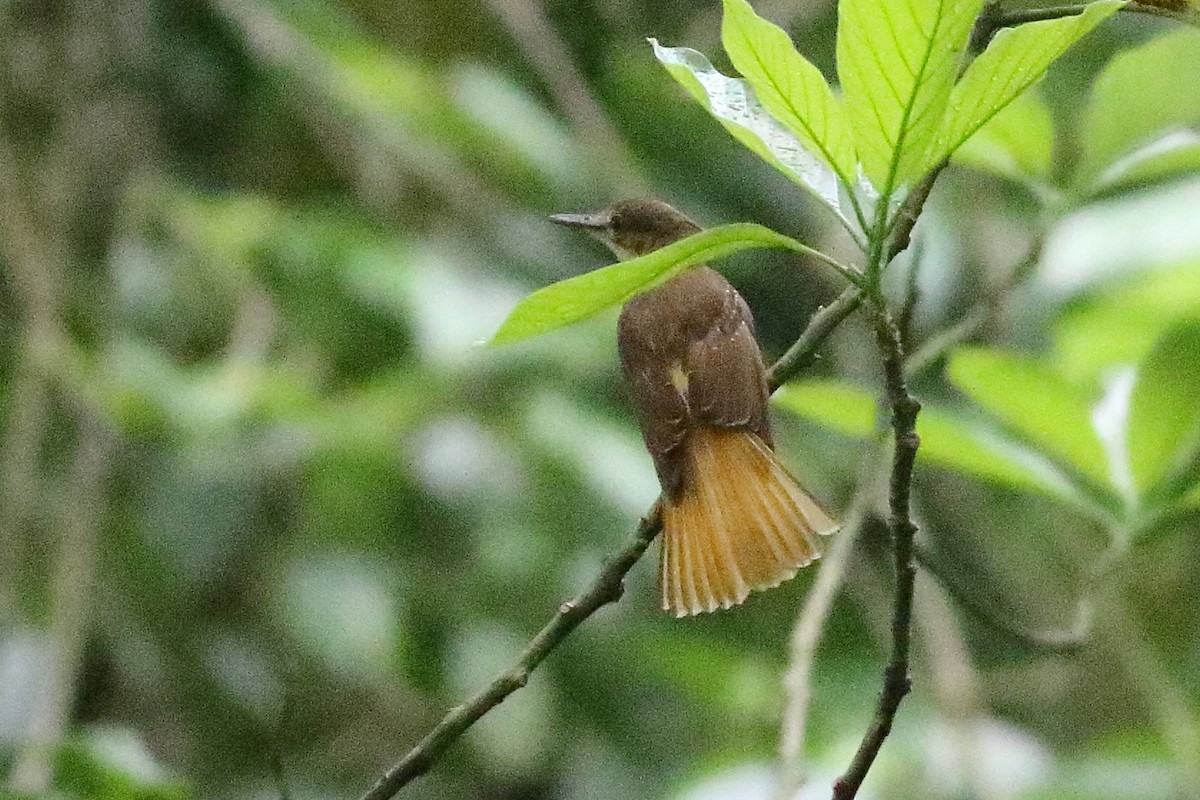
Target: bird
734,519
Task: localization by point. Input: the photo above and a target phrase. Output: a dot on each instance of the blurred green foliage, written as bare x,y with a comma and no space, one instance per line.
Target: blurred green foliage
248,251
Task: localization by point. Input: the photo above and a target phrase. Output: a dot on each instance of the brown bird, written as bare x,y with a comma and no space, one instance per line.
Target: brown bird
734,520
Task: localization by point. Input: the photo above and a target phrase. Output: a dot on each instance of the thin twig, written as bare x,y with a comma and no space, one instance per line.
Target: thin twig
607,588
905,409
70,613
896,683
900,236
956,691
937,346
35,275
912,296
804,351
806,635
994,18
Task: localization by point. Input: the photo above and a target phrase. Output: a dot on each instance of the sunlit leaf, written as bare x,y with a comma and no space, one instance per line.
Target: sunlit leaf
1177,153
1017,143
736,106
1014,61
789,87
1119,326
1133,232
114,763
840,406
1192,498
948,439
1036,402
580,297
1140,95
897,62
1164,415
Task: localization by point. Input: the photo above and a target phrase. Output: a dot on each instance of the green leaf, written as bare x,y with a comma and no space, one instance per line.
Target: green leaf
1164,415
897,62
1014,61
578,298
114,763
1177,153
1141,94
948,439
791,89
840,406
1192,498
1035,401
1017,143
736,106
1119,326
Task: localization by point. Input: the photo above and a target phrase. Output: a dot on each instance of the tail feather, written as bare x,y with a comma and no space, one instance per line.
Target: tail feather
741,524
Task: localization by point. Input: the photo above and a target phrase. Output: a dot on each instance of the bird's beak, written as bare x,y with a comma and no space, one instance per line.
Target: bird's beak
593,222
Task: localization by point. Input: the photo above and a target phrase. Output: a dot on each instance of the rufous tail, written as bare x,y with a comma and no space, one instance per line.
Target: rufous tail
740,524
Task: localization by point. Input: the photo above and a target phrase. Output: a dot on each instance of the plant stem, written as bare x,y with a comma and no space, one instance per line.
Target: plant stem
896,235
896,682
806,636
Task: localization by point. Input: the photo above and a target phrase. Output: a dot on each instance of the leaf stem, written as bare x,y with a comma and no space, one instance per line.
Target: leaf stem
852,274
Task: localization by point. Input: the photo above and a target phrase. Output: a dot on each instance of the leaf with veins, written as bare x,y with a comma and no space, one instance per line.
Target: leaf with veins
735,105
897,61
789,86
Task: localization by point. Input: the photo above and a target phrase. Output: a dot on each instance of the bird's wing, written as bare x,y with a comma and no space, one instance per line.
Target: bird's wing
661,409
727,386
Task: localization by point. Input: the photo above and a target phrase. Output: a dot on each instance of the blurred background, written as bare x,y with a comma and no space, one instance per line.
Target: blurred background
268,510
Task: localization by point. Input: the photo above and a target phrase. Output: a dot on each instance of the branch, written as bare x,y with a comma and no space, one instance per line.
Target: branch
806,636
607,588
994,18
804,351
71,589
905,408
34,271
896,683
956,690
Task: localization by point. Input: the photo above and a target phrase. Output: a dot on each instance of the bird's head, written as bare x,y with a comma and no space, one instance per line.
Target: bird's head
632,228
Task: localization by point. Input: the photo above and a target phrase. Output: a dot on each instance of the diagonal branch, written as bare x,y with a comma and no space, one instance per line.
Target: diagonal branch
993,18
801,354
605,589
